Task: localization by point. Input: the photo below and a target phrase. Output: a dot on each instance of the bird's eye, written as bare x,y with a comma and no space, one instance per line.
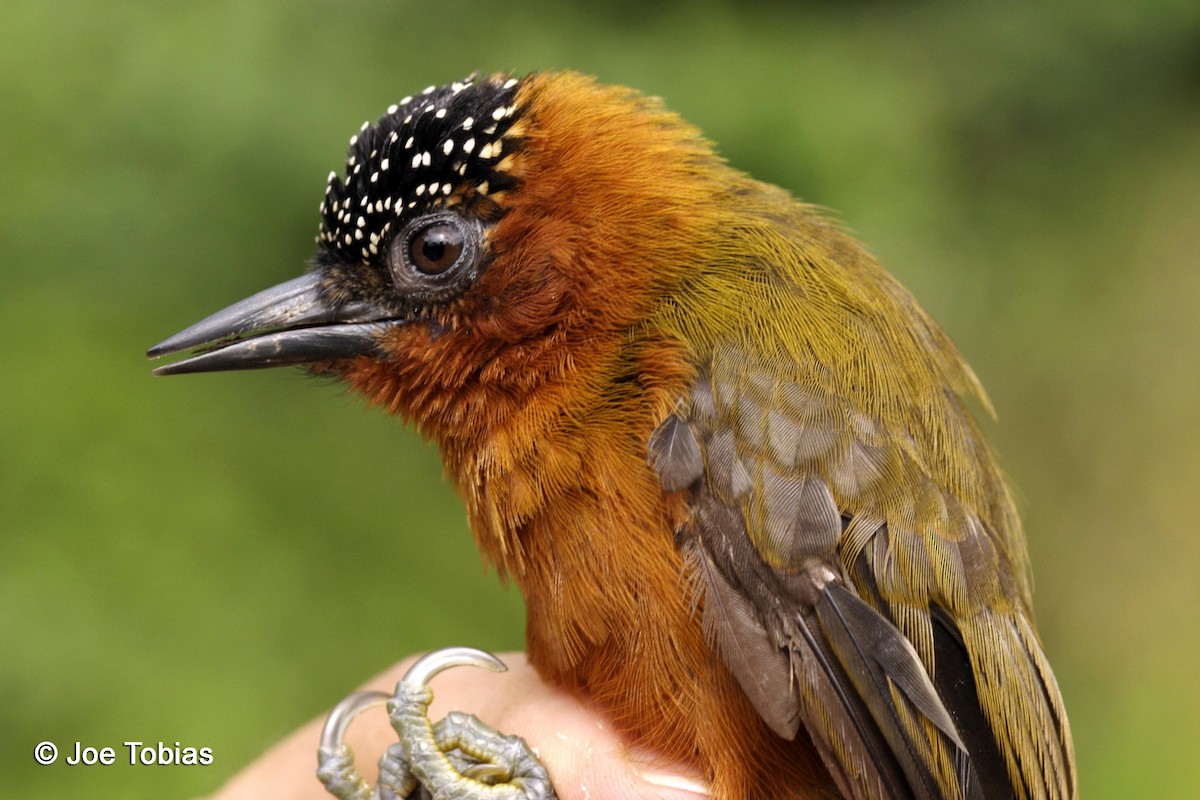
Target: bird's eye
436,256
436,248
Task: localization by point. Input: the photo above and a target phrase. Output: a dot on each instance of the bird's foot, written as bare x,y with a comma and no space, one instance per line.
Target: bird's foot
459,758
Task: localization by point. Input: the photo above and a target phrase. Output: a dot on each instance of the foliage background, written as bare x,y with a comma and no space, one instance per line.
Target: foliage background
214,560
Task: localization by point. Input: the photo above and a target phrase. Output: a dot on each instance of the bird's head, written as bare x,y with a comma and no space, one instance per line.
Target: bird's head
492,241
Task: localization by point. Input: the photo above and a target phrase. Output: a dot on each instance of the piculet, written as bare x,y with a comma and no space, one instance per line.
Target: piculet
723,454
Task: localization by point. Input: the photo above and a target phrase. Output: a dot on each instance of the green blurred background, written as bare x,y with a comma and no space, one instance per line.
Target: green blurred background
214,560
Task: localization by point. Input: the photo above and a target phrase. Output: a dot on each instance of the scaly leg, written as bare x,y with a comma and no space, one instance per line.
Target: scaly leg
459,758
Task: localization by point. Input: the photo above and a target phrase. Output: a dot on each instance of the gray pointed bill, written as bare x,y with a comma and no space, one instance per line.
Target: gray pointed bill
289,324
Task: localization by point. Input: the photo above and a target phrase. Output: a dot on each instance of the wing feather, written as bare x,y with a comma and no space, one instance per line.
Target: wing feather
884,625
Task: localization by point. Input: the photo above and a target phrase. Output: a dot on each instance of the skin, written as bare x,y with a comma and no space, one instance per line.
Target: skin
587,758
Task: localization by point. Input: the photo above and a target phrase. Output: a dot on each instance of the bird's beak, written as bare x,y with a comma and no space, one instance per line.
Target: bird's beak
288,324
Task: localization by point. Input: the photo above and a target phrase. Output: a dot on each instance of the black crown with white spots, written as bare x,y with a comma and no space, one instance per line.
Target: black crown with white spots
439,149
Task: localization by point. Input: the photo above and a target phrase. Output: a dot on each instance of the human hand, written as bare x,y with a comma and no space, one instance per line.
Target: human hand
586,758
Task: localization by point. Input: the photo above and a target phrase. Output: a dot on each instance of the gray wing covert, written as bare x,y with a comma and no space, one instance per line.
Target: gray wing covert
787,564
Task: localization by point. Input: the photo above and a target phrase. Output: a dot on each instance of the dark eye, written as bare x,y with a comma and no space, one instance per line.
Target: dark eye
437,248
436,256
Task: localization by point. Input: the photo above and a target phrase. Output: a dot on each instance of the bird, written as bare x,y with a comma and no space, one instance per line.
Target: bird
729,462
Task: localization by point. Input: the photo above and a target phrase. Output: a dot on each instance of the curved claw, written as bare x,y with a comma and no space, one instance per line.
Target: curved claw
335,760
343,714
420,673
